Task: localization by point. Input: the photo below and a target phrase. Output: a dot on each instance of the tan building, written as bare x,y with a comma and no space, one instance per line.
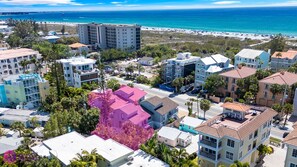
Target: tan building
234,135
283,60
265,97
291,143
231,77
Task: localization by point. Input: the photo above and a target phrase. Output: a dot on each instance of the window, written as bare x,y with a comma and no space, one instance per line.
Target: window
293,165
240,155
249,148
263,136
265,125
230,143
256,134
241,143
251,135
265,95
229,155
294,153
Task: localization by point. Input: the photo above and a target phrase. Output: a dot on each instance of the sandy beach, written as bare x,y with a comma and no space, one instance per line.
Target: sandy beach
238,35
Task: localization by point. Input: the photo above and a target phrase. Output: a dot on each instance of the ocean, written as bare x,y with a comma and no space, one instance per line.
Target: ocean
243,20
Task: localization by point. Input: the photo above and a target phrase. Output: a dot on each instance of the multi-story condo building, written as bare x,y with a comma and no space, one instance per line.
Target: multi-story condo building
29,89
107,36
291,142
10,61
79,70
283,60
257,59
231,77
265,96
207,66
181,66
234,135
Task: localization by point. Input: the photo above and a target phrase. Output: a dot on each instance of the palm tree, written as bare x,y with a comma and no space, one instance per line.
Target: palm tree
24,64
278,55
264,150
87,159
275,89
163,152
140,68
177,83
18,126
189,104
287,109
180,155
205,105
240,164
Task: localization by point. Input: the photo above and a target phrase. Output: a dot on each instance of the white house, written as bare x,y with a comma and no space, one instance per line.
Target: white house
207,66
189,124
66,147
146,61
258,59
79,70
174,137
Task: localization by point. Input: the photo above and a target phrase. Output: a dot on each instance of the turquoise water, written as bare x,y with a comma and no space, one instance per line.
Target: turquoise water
245,20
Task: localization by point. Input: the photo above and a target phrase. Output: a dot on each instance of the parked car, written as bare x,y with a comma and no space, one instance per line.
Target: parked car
196,90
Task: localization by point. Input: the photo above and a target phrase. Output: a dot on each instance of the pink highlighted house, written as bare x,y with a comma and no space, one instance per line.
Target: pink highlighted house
123,106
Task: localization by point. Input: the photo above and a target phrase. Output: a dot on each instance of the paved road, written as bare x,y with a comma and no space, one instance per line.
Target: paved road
182,99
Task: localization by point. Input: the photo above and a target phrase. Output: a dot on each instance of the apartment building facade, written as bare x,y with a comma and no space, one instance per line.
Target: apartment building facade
207,66
283,60
257,59
231,77
181,66
290,142
79,70
10,61
234,135
107,36
29,89
265,96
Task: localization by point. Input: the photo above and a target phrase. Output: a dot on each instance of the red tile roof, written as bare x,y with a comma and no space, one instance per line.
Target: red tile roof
291,54
239,73
236,106
281,78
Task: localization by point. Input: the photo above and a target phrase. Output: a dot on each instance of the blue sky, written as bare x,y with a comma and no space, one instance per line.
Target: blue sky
82,5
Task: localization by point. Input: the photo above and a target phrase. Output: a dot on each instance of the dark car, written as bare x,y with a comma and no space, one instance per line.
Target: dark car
196,90
285,134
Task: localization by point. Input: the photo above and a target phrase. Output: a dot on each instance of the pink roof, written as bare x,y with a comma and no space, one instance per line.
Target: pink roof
129,109
117,102
141,116
131,94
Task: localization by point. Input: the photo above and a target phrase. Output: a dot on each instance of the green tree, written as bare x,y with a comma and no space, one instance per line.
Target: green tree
260,74
228,99
129,70
63,30
249,97
275,89
240,164
287,109
113,84
18,126
2,133
86,159
1,36
177,83
278,43
189,104
213,83
205,106
34,122
264,150
89,120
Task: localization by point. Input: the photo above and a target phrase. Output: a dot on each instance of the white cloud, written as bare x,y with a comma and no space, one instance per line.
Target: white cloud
39,2
118,2
226,2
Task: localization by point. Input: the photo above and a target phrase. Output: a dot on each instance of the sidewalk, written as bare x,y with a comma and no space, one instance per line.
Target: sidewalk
277,158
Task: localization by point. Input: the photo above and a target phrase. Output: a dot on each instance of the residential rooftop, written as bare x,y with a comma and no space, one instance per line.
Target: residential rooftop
67,146
236,106
78,61
192,122
115,25
171,133
141,158
291,138
290,54
222,125
249,53
22,115
281,78
14,53
77,45
240,72
184,57
214,59
162,105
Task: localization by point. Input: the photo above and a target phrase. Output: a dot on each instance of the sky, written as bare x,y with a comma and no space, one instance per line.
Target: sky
114,5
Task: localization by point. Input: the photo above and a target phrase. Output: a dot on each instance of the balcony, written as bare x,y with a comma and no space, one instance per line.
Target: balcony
208,155
208,143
